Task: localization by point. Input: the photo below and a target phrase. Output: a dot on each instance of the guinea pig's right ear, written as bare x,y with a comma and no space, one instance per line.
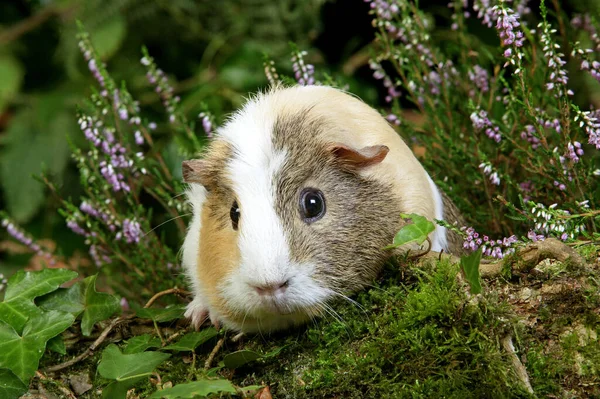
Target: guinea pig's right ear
196,171
359,158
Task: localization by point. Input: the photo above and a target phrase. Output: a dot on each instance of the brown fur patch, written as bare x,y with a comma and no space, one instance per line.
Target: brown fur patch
218,254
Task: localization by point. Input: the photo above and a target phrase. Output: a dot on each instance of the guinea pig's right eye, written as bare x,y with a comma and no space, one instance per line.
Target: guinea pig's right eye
312,204
234,214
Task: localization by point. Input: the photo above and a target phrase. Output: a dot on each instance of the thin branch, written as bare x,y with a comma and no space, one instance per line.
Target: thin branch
214,353
89,350
174,290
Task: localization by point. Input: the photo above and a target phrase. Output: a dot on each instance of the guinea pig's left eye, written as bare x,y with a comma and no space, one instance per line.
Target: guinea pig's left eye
312,204
234,214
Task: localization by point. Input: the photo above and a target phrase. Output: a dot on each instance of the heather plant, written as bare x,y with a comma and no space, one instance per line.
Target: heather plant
500,128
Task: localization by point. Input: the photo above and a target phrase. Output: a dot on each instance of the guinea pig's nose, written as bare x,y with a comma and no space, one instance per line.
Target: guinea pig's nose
271,289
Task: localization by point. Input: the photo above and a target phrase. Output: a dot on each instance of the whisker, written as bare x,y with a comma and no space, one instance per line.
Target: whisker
170,220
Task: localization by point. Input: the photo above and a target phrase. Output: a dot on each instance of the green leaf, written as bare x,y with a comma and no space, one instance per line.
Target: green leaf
98,306
10,385
161,315
470,267
108,37
417,231
21,354
23,287
192,340
83,297
116,366
141,343
240,358
194,389
11,76
35,140
126,369
57,344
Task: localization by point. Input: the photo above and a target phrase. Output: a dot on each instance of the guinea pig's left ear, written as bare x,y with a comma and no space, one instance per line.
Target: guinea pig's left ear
359,158
195,171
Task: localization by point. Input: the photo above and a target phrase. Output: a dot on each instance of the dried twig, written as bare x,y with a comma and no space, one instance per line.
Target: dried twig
89,350
174,290
214,353
520,370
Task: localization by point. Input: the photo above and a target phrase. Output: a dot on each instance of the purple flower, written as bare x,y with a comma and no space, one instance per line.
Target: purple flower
496,249
528,134
20,236
139,139
131,231
481,78
304,73
481,121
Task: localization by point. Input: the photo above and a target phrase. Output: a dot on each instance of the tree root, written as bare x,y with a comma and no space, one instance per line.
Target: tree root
523,260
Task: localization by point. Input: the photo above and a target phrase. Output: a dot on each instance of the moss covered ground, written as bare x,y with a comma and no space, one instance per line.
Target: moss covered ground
419,333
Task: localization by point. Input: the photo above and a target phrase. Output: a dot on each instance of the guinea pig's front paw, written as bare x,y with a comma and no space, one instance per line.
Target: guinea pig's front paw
196,312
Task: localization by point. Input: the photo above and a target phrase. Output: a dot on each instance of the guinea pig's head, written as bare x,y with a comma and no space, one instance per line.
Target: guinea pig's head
291,217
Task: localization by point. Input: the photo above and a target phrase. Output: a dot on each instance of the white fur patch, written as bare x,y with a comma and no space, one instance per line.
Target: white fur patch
439,240
265,255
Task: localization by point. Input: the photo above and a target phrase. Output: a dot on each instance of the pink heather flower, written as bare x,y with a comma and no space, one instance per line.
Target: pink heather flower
271,72
481,121
139,139
590,120
574,151
99,256
304,73
535,237
481,78
72,224
488,170
527,134
20,236
558,76
489,247
131,231
393,119
124,304
152,126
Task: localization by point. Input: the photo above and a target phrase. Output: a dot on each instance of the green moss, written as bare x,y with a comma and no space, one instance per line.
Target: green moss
418,336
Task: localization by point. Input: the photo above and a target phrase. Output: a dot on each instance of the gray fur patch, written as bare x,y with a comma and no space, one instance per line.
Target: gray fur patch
361,216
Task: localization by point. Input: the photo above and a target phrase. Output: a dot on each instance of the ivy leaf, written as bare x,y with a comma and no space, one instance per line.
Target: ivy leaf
417,231
140,343
10,385
23,287
194,389
83,298
127,370
192,340
169,313
470,267
57,345
22,353
11,76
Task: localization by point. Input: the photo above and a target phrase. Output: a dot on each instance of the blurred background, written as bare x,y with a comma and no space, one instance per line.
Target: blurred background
212,51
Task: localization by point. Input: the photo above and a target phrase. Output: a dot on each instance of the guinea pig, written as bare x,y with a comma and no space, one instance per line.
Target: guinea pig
293,202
